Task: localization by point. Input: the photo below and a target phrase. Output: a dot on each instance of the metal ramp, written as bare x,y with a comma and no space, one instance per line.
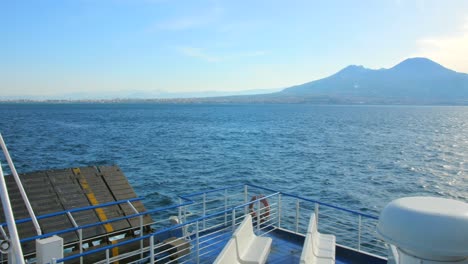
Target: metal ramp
54,191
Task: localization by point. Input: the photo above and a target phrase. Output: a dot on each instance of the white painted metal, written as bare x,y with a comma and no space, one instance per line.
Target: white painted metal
426,228
197,243
297,215
80,234
204,210
225,206
10,219
359,232
279,210
48,249
151,249
20,186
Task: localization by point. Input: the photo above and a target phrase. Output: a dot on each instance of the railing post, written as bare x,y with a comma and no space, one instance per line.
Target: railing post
233,216
297,215
225,206
181,215
10,219
151,250
204,210
197,244
317,211
359,233
107,256
179,209
141,234
185,228
279,210
246,199
80,235
20,188
258,214
141,226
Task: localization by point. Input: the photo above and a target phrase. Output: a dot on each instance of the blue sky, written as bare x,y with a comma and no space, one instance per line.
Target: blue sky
61,47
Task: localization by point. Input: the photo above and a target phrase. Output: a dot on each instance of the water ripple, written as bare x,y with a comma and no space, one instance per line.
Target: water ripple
358,156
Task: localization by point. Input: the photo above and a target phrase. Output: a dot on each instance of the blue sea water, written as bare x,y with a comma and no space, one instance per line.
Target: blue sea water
359,157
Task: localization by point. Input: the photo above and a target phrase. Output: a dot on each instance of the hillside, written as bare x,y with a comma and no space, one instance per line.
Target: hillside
413,80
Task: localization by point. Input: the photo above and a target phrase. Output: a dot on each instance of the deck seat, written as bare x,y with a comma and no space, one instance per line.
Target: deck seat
249,248
229,254
318,248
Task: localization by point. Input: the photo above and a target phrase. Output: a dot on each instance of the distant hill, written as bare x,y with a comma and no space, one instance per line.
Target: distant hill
415,80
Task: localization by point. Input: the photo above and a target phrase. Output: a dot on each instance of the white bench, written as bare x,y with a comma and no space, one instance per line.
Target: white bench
318,248
245,247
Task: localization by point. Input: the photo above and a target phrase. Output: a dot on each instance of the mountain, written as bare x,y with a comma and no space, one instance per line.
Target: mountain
415,80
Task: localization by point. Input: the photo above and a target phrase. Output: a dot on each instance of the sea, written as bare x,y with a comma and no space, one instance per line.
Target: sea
358,157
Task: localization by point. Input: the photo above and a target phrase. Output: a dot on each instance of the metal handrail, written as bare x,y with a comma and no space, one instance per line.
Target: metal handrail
92,251
16,247
188,200
316,201
75,210
186,196
20,186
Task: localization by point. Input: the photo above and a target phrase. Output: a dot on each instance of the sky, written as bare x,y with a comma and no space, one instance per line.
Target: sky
59,47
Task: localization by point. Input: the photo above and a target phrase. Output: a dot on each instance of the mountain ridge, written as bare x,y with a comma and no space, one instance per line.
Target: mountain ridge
414,79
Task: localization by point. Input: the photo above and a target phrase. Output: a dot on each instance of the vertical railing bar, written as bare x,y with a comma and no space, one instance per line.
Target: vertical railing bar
297,215
233,219
258,215
141,226
179,209
359,233
197,244
180,214
225,207
107,256
279,210
316,212
80,234
141,235
204,210
151,249
246,194
185,220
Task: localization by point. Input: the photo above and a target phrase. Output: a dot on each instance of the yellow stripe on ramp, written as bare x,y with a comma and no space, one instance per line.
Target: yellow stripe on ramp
100,212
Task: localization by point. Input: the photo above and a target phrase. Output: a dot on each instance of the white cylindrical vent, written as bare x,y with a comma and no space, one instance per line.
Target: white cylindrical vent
427,228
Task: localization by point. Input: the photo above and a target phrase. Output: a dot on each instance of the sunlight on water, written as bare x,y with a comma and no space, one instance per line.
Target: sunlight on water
360,157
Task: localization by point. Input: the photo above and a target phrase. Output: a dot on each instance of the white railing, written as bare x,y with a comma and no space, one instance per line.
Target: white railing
209,218
352,229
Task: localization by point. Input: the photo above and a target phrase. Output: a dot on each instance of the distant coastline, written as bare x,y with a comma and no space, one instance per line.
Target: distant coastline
414,81
244,100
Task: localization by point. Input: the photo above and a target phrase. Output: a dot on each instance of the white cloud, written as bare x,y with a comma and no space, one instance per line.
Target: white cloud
450,51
